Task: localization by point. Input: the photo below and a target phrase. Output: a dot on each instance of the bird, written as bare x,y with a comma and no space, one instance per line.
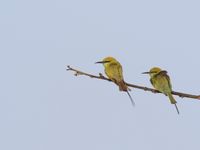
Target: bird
114,72
161,82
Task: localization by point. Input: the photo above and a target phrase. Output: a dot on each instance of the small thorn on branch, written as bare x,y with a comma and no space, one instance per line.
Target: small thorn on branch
155,91
145,89
101,76
181,96
78,73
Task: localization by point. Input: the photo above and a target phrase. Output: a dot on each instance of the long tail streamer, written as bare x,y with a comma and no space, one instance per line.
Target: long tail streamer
132,101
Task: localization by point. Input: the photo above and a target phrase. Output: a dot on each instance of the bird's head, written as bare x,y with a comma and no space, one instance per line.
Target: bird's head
106,61
153,71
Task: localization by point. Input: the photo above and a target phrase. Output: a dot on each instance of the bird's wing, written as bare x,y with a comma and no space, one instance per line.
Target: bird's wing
151,80
117,71
117,76
164,73
169,82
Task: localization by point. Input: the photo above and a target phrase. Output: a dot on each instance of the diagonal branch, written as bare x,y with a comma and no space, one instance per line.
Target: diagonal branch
182,95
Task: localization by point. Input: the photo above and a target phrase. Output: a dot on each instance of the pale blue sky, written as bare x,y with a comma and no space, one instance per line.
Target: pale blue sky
44,107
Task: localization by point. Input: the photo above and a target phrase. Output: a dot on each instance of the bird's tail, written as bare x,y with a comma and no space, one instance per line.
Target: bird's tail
123,87
171,98
173,101
129,95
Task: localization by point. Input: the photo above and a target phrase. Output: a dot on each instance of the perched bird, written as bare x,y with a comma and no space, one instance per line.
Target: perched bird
161,82
113,70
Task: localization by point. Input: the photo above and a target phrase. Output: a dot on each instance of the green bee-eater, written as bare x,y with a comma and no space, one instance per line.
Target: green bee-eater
161,82
113,70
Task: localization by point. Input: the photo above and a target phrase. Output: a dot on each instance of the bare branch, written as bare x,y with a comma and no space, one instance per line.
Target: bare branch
182,95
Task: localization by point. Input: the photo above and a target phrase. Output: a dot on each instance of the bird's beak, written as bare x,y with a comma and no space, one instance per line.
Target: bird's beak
101,62
146,73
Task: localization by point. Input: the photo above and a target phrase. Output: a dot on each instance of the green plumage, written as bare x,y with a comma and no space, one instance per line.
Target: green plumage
113,70
161,82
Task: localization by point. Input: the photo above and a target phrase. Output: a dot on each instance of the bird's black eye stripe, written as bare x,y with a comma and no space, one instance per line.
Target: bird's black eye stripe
153,72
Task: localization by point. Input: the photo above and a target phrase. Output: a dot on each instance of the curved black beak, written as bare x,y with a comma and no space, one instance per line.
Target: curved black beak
98,62
101,62
146,73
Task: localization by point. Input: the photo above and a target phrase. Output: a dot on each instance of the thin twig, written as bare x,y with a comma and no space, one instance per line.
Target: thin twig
182,95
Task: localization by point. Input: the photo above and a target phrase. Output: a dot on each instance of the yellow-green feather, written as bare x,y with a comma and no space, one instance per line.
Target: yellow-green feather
161,82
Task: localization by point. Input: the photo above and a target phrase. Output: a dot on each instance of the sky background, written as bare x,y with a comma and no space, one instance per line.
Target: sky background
44,107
